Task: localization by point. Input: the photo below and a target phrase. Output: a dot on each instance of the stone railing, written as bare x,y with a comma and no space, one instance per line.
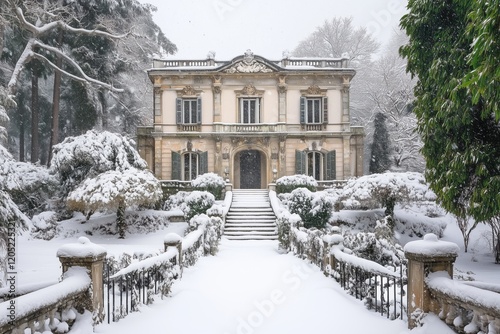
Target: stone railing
79,290
463,306
249,127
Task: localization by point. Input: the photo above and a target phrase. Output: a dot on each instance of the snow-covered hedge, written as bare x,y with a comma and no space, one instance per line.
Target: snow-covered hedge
286,184
314,208
197,202
210,182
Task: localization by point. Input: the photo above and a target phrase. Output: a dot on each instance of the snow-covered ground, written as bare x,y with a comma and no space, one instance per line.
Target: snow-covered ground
248,287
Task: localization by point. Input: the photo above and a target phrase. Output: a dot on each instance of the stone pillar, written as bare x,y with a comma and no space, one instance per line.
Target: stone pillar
174,240
425,257
91,257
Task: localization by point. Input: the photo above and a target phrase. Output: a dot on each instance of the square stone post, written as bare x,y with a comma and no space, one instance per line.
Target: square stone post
91,257
174,240
425,257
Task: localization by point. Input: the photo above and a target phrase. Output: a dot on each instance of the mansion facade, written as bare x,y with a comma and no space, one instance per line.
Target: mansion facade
252,120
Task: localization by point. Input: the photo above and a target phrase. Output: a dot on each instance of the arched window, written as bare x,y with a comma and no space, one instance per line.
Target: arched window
315,165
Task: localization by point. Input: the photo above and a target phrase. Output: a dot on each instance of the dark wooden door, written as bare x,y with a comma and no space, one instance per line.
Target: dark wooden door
250,173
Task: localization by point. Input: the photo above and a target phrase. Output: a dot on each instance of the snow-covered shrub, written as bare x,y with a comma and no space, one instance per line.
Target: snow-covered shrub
313,208
210,182
115,190
88,155
378,246
28,185
385,190
286,184
45,225
284,223
198,202
176,201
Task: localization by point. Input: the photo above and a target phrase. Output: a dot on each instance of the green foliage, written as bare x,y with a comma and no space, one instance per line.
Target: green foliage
453,51
380,148
210,182
287,184
313,208
197,203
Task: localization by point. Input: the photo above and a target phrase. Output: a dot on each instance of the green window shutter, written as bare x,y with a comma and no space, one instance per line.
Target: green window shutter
198,109
330,166
203,163
300,162
302,110
325,110
178,110
176,166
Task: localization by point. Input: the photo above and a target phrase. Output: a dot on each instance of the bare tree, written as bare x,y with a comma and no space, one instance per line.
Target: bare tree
336,37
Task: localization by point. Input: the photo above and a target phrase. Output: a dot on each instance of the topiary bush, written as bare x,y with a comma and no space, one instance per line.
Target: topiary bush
313,208
210,182
197,203
287,184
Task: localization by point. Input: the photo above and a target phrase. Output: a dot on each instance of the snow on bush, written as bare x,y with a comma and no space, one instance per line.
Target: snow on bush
176,201
29,186
45,225
198,202
91,154
313,208
286,184
115,190
385,190
378,246
210,182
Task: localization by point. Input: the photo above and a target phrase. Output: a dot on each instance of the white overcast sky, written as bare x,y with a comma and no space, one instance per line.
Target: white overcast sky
267,27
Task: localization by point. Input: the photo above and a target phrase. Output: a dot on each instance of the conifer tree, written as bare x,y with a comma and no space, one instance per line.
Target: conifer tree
380,148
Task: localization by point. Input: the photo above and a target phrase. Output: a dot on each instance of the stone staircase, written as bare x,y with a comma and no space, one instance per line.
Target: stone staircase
250,216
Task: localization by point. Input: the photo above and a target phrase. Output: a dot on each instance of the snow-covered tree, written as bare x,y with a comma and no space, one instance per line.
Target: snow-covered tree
115,190
385,190
91,154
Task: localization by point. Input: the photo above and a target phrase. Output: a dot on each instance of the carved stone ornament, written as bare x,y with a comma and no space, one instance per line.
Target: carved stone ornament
248,65
249,90
217,89
282,86
314,90
189,91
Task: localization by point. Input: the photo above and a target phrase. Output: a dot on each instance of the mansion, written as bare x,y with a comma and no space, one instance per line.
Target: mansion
252,120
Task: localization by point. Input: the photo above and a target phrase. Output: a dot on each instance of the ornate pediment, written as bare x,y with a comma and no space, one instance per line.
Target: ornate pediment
249,65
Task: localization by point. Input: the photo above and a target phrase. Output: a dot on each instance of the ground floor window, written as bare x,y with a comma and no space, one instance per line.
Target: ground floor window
315,165
191,166
321,165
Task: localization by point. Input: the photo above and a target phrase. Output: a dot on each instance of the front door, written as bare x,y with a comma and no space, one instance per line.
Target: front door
250,172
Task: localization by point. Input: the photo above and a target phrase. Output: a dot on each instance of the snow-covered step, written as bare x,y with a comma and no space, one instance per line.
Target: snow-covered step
250,216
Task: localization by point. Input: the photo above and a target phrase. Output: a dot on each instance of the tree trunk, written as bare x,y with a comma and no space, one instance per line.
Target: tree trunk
56,99
35,141
22,130
120,220
389,212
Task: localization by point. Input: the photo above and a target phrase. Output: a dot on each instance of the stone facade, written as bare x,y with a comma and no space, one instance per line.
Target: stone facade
252,120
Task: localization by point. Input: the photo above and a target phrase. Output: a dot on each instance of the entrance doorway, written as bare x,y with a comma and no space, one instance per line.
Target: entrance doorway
250,169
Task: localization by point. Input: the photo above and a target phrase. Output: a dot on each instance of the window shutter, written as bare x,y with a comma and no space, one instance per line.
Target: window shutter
331,166
300,162
302,110
176,166
178,110
203,168
325,110
198,110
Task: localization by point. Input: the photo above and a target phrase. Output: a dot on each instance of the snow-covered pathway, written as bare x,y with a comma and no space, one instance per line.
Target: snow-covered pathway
249,287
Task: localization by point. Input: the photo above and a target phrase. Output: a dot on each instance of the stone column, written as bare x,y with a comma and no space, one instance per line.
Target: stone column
91,257
424,257
174,240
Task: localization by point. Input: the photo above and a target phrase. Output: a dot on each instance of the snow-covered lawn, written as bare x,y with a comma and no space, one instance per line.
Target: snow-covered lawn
248,287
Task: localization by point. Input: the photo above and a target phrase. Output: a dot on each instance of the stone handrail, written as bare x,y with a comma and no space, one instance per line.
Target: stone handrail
466,308
38,310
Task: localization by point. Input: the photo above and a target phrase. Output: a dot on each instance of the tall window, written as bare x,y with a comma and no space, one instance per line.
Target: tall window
315,165
313,110
191,165
188,111
249,110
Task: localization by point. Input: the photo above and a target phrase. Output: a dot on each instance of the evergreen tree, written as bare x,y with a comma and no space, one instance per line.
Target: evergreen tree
380,148
453,50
